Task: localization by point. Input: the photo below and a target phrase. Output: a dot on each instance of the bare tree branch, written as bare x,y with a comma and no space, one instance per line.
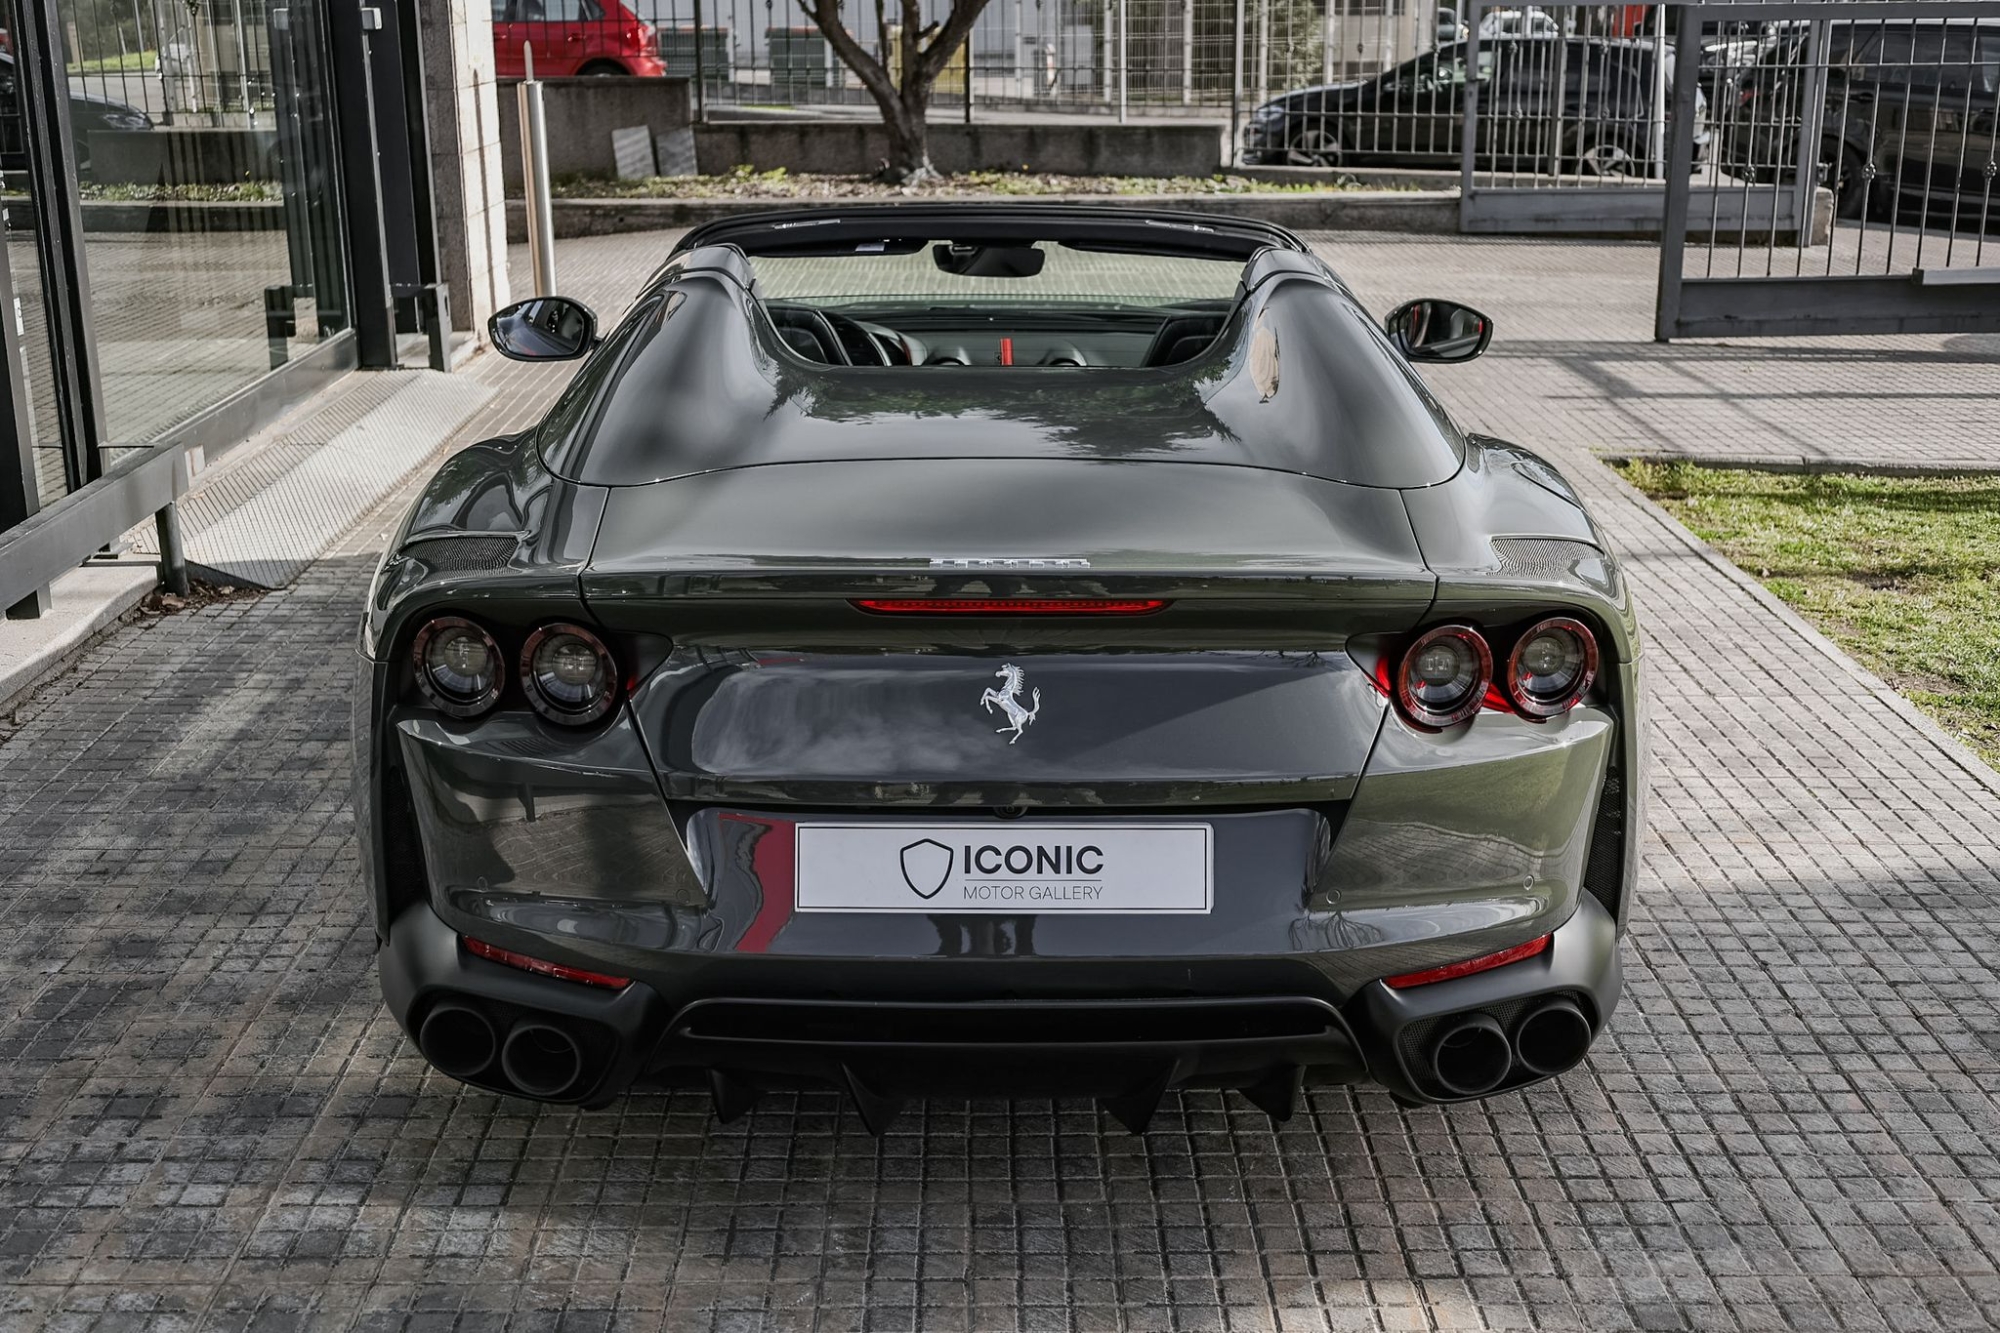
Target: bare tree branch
957,27
825,15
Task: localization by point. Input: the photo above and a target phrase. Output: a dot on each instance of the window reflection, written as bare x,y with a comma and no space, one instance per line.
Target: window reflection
211,239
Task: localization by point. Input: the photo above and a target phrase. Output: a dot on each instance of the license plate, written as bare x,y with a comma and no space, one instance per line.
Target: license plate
1010,870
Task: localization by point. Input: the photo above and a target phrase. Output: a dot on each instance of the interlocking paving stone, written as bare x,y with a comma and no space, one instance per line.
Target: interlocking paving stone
207,1120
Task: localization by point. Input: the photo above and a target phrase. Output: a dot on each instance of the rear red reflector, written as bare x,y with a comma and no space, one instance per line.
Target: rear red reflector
542,966
1010,606
1451,971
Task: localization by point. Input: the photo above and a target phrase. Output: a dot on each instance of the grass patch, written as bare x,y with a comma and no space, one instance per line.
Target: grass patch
1902,572
129,62
242,192
743,183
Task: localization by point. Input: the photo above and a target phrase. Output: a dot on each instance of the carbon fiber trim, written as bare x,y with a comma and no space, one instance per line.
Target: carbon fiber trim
1557,559
1603,871
461,554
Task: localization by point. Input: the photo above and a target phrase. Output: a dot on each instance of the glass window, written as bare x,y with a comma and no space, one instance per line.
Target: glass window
1971,59
221,125
1952,57
1440,72
557,11
1065,276
1451,70
54,472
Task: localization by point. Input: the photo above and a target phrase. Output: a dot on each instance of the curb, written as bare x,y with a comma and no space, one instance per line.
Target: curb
1381,178
1425,212
1855,466
124,584
1947,744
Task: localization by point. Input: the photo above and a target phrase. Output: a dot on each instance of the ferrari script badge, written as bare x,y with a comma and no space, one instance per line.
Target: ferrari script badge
1008,697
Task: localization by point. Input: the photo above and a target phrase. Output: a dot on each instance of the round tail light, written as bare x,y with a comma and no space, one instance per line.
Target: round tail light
569,674
1551,666
1444,675
458,666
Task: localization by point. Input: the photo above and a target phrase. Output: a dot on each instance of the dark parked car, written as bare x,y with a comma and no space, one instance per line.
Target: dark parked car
1907,122
1731,48
1032,650
1414,114
87,112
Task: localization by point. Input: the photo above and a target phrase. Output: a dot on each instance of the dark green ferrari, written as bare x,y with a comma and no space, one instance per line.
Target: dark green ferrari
998,650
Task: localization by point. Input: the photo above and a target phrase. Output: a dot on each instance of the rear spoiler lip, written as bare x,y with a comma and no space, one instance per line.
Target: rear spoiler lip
835,582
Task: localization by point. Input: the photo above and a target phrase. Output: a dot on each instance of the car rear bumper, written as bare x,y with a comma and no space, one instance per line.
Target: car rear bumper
887,1029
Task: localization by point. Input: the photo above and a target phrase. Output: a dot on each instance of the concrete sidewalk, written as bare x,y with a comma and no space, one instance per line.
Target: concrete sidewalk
1573,365
207,1119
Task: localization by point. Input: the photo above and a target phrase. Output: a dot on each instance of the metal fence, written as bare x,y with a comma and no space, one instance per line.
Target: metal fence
181,63
1886,111
1143,57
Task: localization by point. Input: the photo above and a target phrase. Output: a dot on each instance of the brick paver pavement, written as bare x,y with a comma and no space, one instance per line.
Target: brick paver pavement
206,1118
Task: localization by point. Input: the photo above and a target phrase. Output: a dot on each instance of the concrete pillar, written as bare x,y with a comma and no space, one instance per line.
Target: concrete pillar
466,157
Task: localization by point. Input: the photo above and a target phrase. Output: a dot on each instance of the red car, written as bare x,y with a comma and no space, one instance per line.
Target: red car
572,37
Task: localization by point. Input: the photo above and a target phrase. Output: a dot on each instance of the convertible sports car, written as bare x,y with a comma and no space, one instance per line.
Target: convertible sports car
1035,651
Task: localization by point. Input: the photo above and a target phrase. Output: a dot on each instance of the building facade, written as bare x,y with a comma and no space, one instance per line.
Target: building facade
212,210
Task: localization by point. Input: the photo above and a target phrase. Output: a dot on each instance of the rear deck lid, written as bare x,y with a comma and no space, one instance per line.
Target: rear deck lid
779,688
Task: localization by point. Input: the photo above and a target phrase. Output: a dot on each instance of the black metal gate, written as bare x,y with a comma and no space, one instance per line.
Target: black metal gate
1884,111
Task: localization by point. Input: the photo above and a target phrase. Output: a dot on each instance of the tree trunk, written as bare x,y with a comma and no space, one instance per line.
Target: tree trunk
909,139
905,96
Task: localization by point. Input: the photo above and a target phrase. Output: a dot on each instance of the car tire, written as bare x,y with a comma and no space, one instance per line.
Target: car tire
1849,183
601,69
1313,146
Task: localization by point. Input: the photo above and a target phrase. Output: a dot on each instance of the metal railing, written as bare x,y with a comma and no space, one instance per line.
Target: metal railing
1136,57
1887,112
206,64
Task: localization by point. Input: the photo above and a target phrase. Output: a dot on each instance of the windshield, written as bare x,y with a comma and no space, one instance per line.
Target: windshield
909,274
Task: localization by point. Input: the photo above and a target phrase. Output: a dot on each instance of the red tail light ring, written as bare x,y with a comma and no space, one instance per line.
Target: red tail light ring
568,673
458,666
1442,679
1551,667
1011,606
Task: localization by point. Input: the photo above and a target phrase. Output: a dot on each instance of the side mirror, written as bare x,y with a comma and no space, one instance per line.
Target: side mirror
548,328
1433,329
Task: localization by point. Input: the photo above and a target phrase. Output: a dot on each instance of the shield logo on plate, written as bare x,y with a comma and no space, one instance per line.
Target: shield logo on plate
926,866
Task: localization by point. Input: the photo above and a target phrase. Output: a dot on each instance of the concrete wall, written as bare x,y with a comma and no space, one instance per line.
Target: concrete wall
1432,212
467,150
859,147
182,155
581,113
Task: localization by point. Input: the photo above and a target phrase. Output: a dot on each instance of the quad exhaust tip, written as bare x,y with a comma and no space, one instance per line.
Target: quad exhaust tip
541,1059
1471,1055
457,1039
1552,1038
